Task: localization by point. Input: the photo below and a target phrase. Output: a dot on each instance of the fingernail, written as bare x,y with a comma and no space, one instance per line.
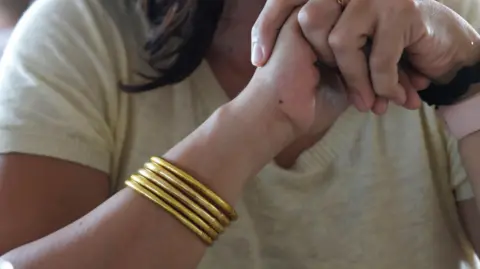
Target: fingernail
257,54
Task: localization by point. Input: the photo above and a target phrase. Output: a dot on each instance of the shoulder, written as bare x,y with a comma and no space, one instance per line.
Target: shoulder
113,30
59,80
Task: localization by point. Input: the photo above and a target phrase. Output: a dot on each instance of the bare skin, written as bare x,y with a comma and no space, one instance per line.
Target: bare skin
229,49
252,125
93,241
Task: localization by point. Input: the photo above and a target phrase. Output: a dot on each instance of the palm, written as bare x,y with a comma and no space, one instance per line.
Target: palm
292,70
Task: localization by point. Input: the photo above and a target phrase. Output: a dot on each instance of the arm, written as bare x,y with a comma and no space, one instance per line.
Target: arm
55,96
128,231
67,109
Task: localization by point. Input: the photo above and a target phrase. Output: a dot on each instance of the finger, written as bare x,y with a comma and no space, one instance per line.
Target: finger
380,106
267,26
388,45
290,29
412,98
418,81
347,40
317,18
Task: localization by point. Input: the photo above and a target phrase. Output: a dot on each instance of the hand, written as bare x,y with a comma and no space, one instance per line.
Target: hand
318,19
340,38
266,28
290,83
449,44
394,26
436,41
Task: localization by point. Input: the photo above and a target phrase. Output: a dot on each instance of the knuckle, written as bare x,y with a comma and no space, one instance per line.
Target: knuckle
383,88
307,16
317,14
390,94
386,92
338,41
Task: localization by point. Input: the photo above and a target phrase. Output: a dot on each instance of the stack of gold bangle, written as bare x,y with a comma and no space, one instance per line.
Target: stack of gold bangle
181,195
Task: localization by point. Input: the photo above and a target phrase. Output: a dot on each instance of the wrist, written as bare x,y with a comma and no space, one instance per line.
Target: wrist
232,146
259,109
255,134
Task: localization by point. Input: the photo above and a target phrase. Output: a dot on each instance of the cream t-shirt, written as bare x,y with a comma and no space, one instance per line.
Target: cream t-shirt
375,192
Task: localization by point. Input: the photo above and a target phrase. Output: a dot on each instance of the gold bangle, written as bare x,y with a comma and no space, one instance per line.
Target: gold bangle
175,204
179,196
147,194
224,206
185,188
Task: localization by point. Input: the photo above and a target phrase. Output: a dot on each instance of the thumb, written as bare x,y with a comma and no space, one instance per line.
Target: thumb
265,31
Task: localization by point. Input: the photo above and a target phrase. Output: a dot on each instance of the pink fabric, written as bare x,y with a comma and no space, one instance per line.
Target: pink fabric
463,118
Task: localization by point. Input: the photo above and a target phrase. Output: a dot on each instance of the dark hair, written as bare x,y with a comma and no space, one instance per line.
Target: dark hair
193,22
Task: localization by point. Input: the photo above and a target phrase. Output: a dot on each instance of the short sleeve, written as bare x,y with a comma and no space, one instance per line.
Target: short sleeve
458,176
58,84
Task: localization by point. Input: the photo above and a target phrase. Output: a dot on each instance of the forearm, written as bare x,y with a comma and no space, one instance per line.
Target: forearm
248,136
128,231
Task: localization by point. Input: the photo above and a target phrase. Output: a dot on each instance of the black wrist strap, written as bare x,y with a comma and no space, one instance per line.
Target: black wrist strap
448,94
